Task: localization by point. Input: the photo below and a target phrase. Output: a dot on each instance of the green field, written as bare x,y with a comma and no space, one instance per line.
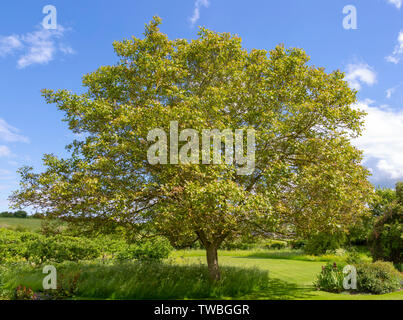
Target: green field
290,278
30,224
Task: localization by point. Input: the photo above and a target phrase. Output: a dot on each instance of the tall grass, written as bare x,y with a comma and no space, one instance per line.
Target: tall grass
145,280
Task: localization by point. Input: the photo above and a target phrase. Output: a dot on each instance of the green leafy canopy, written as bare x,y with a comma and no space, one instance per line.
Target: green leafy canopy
308,177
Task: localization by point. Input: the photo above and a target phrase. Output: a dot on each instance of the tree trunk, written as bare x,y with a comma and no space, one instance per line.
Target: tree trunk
212,262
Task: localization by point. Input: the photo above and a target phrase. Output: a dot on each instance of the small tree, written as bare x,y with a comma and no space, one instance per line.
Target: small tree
360,232
386,240
307,175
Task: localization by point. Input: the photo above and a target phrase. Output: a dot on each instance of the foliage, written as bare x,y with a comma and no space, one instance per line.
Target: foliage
386,241
384,197
330,278
354,257
275,244
12,248
297,244
307,176
62,248
243,242
37,248
153,249
324,242
378,277
51,227
33,247
360,232
16,214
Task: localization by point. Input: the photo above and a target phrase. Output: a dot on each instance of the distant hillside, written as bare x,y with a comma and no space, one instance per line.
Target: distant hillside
31,224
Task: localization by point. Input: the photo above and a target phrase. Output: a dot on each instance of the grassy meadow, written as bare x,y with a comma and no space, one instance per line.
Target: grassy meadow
28,224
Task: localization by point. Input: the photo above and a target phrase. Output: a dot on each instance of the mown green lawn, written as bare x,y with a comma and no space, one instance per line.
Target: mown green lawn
291,277
30,224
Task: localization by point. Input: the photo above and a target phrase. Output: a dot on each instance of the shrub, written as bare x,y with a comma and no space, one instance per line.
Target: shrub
110,246
12,248
297,244
386,241
153,249
51,227
353,257
378,277
275,244
15,246
239,243
62,248
330,278
324,242
37,248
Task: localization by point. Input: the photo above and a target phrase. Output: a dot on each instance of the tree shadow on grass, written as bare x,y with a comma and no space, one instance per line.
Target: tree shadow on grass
281,290
278,289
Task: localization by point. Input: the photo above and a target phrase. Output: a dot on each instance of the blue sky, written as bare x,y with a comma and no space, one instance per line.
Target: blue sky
33,58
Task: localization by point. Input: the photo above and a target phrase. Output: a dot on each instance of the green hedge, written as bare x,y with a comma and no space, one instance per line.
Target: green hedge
324,242
153,249
37,248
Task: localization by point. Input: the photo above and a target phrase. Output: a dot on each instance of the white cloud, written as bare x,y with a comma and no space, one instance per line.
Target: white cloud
196,11
357,74
9,44
9,133
391,91
398,51
5,151
397,3
37,47
66,49
382,141
41,46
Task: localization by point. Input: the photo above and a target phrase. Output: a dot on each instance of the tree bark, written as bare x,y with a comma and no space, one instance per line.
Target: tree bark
212,262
